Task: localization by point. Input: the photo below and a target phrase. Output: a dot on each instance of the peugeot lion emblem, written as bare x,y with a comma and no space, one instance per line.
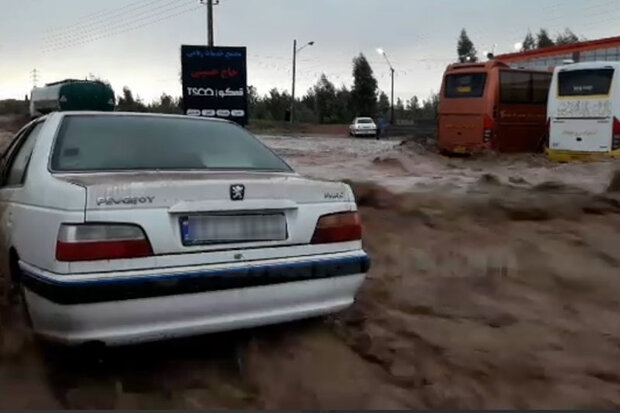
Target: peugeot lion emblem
237,192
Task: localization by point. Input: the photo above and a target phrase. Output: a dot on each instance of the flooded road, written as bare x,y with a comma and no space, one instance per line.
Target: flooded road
405,167
494,284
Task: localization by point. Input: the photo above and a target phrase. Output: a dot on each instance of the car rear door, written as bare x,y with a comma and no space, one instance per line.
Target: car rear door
15,163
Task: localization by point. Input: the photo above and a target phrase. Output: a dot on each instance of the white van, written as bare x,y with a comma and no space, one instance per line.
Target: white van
583,111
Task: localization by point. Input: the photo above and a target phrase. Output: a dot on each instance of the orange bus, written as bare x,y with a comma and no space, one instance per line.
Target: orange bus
489,105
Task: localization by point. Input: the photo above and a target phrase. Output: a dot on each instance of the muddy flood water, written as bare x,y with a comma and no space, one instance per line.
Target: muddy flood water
495,283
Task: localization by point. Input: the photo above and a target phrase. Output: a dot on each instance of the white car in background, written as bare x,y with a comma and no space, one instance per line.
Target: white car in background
123,228
363,127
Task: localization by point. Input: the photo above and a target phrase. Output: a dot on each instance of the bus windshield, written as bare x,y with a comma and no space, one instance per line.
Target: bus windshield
585,82
466,85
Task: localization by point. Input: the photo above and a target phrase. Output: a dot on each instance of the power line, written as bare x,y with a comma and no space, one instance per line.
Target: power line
108,13
118,23
121,28
115,33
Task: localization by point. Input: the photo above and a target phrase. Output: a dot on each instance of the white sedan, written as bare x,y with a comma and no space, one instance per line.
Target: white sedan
121,228
363,127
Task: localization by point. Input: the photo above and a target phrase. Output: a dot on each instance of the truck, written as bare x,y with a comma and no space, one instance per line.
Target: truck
72,94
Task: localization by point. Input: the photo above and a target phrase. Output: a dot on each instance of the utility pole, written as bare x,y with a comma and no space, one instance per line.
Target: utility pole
295,51
210,4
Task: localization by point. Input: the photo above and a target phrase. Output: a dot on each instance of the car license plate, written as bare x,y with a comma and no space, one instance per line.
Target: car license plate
460,149
219,228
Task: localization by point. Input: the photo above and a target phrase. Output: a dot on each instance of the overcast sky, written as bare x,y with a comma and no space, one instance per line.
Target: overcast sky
136,43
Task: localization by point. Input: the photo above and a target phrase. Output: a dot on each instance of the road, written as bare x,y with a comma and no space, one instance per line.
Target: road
494,285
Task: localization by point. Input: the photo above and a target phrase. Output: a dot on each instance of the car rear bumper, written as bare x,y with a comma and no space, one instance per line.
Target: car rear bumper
122,309
576,156
464,148
365,131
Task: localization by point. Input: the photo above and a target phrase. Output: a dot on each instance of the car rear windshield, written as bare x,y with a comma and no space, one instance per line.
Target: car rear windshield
585,82
110,143
469,85
364,121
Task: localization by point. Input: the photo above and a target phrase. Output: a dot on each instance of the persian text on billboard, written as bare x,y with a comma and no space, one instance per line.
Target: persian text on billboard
215,82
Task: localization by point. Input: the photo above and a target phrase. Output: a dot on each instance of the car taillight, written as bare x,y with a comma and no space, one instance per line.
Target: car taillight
341,227
615,139
89,242
489,124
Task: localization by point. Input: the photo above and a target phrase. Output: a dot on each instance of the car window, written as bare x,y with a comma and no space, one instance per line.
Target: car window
585,82
469,85
515,87
540,87
109,143
364,121
21,158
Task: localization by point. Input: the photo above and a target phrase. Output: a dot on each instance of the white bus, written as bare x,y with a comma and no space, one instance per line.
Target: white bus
583,111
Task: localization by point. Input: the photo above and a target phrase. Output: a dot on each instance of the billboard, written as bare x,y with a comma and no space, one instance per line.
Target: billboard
215,82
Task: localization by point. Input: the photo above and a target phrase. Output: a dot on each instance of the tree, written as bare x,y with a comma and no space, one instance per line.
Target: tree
325,96
413,104
543,40
127,98
277,104
383,105
255,104
568,37
430,107
465,48
528,43
344,105
128,103
364,92
253,97
165,104
400,106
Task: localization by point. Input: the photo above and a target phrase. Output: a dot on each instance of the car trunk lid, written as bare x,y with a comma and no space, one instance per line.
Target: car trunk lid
225,209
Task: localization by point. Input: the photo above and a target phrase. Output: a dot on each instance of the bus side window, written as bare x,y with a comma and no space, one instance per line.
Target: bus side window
540,87
514,87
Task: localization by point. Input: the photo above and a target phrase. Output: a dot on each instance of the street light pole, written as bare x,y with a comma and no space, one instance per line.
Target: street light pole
392,98
382,53
295,51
